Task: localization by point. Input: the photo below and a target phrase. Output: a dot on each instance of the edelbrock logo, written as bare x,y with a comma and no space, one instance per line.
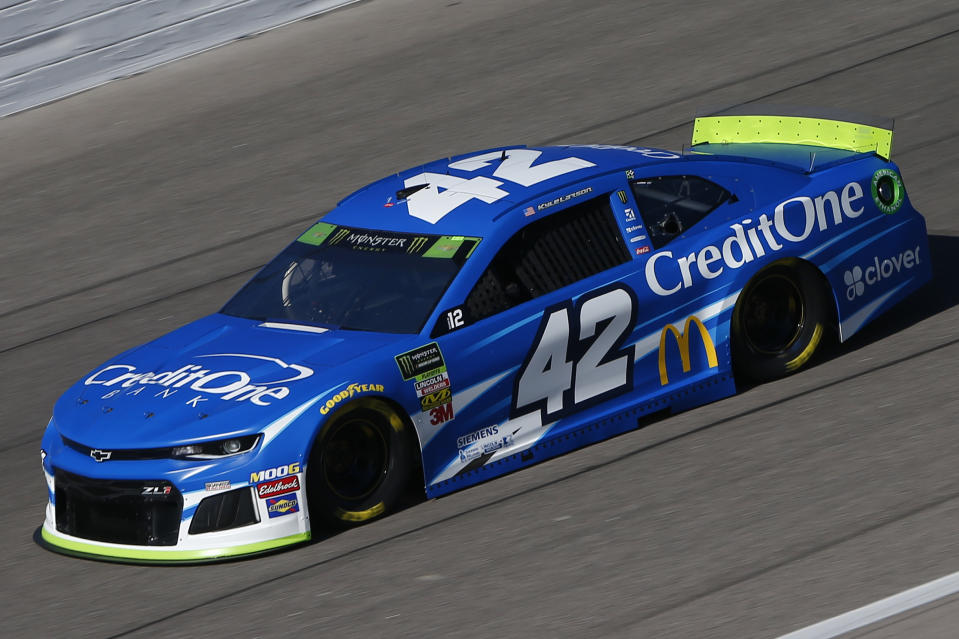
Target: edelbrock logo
278,487
857,278
794,220
227,384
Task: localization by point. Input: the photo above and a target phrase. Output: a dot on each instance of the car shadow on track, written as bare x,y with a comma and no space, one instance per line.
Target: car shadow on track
940,294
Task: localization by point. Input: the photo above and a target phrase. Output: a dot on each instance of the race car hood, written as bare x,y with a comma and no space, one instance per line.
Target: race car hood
217,377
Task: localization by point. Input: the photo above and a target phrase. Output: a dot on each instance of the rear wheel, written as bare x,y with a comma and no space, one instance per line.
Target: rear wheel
778,322
360,465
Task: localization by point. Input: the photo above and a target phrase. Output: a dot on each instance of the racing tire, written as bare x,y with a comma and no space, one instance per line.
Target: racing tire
778,322
360,466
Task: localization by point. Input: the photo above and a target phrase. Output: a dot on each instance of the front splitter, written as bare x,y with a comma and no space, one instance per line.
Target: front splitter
74,547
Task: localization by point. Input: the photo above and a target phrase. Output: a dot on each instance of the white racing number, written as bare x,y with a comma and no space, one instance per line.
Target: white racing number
454,319
577,357
446,192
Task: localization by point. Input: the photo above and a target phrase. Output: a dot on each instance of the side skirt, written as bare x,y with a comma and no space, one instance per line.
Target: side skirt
554,445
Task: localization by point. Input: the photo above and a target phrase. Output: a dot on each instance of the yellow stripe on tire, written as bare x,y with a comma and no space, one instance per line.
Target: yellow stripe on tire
361,515
807,352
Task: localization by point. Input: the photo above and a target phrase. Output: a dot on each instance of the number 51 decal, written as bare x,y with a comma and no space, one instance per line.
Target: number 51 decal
577,357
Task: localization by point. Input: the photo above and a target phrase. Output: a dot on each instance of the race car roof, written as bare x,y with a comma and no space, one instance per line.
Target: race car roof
467,194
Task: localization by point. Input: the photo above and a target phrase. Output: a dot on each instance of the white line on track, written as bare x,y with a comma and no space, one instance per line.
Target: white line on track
879,610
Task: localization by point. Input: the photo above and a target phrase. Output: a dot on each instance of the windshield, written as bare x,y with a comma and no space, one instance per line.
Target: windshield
357,279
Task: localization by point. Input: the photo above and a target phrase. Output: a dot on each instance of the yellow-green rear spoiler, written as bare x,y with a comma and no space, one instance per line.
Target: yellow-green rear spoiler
834,134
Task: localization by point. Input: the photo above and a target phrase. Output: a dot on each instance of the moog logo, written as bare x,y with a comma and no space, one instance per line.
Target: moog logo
858,278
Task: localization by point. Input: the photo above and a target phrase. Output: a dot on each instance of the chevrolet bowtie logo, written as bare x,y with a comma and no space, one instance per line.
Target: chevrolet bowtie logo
100,455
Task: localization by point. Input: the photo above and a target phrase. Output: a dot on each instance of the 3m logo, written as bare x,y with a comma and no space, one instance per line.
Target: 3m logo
682,341
441,414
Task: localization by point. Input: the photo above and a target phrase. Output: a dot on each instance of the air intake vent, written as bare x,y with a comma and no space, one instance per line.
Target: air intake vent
224,511
137,512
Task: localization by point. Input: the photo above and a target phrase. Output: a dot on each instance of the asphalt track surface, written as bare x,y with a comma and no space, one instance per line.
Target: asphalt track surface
134,208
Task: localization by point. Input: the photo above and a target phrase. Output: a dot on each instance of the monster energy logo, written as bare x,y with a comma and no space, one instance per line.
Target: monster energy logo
370,241
405,362
417,244
425,359
339,235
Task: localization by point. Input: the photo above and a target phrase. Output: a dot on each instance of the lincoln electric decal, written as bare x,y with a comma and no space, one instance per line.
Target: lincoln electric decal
196,383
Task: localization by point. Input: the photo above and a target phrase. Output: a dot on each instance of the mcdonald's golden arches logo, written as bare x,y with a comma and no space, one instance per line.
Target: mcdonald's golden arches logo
682,341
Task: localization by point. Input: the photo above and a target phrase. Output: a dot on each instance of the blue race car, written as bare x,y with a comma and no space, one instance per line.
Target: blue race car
476,315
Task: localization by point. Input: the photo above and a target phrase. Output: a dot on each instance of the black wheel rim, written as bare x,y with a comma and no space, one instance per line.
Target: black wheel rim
773,315
355,459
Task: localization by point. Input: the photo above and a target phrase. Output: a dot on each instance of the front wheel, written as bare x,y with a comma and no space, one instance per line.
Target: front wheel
778,322
360,465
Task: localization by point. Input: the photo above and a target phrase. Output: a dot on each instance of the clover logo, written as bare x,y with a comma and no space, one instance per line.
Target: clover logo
853,280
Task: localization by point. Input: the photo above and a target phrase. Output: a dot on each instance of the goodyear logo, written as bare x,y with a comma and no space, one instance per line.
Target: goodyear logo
438,398
682,341
351,390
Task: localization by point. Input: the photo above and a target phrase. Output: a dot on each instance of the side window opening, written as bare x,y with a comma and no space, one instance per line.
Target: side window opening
671,204
548,254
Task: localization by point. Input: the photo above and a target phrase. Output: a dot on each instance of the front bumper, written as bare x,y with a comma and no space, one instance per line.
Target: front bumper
167,511
151,533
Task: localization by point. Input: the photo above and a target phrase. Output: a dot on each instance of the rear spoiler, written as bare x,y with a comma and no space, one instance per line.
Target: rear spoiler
849,133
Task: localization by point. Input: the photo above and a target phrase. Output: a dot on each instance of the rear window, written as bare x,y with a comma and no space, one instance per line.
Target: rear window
671,204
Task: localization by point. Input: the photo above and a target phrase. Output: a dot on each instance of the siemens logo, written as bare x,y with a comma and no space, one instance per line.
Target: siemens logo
476,436
793,221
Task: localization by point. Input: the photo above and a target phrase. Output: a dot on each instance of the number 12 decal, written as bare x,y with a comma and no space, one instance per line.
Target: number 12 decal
577,357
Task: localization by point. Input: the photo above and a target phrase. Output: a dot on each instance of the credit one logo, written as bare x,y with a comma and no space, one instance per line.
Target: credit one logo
228,384
857,278
682,342
793,221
